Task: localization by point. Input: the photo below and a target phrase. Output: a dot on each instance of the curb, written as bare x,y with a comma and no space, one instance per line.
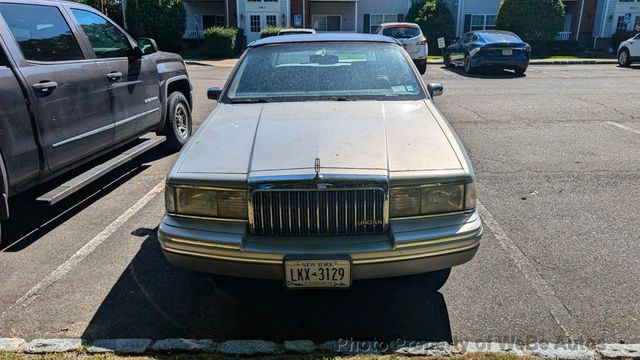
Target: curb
237,348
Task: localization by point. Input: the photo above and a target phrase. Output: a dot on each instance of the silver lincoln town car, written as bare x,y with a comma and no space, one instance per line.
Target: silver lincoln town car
325,161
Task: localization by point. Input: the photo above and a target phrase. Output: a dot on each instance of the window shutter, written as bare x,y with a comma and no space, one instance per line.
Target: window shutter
400,17
467,23
366,23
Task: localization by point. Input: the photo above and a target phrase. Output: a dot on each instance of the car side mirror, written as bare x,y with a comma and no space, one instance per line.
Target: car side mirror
147,46
435,89
214,93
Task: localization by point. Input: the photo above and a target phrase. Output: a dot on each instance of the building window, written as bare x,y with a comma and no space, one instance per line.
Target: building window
636,24
490,22
626,0
479,22
327,22
620,25
209,21
254,22
377,19
272,20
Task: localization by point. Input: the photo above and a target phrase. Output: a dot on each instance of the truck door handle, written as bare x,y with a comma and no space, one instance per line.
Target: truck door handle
114,76
45,86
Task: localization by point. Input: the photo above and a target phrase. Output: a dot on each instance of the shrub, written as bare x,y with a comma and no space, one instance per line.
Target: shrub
162,20
619,37
220,41
535,21
269,31
435,19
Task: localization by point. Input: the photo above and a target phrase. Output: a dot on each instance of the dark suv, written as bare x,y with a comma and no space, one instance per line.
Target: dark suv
75,86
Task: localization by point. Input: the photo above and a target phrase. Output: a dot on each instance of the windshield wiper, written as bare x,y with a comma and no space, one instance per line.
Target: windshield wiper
250,101
342,98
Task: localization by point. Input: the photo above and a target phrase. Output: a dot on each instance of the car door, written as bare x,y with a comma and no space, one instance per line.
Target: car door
457,51
69,91
634,47
133,80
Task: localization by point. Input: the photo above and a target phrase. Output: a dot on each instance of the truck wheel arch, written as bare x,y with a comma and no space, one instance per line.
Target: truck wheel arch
4,191
177,83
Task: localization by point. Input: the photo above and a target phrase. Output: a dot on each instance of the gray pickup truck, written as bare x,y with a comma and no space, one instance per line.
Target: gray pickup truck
74,86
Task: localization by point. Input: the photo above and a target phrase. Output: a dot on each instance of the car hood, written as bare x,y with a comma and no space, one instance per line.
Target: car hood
281,137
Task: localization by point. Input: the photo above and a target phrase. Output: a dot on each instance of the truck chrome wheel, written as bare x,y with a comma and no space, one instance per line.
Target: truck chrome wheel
182,121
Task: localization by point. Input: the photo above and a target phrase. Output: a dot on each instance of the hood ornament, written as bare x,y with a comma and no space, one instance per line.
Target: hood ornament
317,168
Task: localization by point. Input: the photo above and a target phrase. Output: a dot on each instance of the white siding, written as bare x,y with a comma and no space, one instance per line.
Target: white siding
344,9
199,8
380,7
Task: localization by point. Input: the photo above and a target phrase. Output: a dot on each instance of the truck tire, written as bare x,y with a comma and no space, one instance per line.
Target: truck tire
178,125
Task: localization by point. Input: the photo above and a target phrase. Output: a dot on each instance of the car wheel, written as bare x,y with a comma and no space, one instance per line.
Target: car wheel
520,71
178,125
447,61
624,59
422,66
468,68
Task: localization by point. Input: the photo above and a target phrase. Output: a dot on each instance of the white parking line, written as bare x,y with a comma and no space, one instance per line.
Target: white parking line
544,291
624,127
87,249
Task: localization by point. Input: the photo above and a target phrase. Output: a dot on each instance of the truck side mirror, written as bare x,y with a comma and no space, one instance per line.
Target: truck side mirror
435,89
147,45
214,93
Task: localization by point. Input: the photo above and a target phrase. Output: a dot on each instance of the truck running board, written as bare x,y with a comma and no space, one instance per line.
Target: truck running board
89,176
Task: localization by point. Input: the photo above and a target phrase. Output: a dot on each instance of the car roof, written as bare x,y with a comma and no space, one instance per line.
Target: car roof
400,24
494,32
325,37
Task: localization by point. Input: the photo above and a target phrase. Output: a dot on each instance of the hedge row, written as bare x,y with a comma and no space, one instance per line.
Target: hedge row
269,31
220,41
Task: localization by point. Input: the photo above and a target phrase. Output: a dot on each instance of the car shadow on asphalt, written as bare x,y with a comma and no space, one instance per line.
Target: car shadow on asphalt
30,220
486,73
153,299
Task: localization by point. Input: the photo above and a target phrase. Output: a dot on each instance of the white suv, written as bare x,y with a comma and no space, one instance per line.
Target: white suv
629,51
411,38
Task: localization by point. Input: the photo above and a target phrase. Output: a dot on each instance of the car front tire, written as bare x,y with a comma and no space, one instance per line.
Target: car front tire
447,61
520,71
178,125
468,68
624,58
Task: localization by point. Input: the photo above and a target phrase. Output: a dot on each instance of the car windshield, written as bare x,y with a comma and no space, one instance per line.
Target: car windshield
501,37
340,71
401,32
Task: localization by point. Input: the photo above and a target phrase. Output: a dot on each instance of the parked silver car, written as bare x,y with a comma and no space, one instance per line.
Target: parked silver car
325,161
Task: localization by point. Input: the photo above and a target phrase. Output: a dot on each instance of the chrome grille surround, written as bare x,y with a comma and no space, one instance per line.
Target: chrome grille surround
323,206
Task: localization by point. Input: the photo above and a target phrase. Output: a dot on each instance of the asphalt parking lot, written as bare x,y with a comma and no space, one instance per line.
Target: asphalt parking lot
556,159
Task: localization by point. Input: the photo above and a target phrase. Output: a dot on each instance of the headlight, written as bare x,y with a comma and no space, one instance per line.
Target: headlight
431,199
474,51
220,203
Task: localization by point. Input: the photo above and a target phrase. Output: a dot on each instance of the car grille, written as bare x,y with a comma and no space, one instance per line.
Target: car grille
318,212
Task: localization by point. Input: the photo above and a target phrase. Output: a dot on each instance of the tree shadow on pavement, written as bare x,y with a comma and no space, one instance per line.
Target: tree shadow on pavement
153,299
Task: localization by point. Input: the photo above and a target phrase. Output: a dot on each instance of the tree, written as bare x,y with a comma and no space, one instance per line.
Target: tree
535,21
111,8
435,19
162,20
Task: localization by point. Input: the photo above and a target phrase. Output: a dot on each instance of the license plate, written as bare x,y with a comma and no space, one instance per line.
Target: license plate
329,273
507,52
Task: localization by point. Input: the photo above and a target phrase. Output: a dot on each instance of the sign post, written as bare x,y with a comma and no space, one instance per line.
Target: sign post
441,45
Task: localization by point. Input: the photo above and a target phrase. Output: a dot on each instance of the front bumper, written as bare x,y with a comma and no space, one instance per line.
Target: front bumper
410,247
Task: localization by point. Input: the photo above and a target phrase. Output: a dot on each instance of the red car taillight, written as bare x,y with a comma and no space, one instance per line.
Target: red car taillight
423,41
